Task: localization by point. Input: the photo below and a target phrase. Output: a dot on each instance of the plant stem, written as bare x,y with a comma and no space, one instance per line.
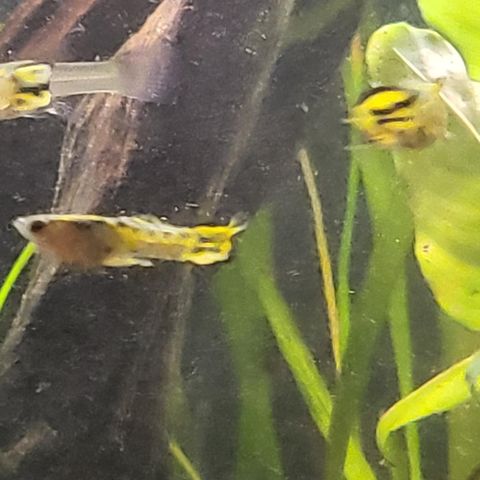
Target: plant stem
402,346
323,255
343,288
392,231
17,268
179,455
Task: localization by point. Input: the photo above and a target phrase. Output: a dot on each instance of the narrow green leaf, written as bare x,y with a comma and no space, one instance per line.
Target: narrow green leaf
256,264
392,233
17,268
402,347
354,82
323,256
183,461
463,422
257,451
440,394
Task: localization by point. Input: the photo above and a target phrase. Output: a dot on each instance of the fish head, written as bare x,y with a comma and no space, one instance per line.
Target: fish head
30,227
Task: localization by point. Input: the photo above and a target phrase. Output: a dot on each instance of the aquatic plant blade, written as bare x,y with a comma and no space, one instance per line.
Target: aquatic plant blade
458,20
442,393
323,255
353,70
254,256
391,225
15,271
463,422
183,461
257,451
400,334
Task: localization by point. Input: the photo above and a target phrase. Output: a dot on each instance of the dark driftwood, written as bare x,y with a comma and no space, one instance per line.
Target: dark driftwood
91,355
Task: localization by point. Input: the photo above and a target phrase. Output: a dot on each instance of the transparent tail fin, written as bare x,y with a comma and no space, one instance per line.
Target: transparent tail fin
149,77
214,243
131,74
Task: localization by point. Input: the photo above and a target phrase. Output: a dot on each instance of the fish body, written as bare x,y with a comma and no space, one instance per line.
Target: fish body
89,241
392,117
29,88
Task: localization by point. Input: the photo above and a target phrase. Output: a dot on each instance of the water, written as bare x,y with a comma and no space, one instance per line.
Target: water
113,374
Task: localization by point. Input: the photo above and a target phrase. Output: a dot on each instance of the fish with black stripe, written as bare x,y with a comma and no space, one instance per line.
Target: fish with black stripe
392,117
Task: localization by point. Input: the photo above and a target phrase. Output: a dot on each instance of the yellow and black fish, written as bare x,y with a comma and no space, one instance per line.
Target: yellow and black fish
24,87
392,117
89,241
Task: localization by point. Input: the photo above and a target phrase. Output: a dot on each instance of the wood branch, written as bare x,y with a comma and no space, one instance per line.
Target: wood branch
47,40
38,434
17,21
94,160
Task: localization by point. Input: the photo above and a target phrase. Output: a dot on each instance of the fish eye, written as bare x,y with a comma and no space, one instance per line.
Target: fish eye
37,225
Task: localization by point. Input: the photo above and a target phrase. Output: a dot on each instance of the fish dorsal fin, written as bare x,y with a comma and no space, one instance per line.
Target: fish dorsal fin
141,221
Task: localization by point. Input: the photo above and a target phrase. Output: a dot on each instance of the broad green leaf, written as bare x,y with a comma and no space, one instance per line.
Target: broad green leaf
442,393
459,20
443,180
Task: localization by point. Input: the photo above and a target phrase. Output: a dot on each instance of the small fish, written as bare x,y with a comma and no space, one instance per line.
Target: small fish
393,117
89,241
29,88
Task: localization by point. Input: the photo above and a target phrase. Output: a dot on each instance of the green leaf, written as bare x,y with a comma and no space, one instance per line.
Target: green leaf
402,347
442,393
257,452
183,461
392,229
254,257
459,20
17,268
443,180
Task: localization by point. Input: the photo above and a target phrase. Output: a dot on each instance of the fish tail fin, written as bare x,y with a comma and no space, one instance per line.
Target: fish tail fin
145,67
214,243
130,74
238,223
148,76
150,59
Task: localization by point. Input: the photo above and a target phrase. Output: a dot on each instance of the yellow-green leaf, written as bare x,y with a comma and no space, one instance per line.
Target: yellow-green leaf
440,394
459,20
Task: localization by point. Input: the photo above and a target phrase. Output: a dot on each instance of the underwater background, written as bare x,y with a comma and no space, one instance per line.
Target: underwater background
227,371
